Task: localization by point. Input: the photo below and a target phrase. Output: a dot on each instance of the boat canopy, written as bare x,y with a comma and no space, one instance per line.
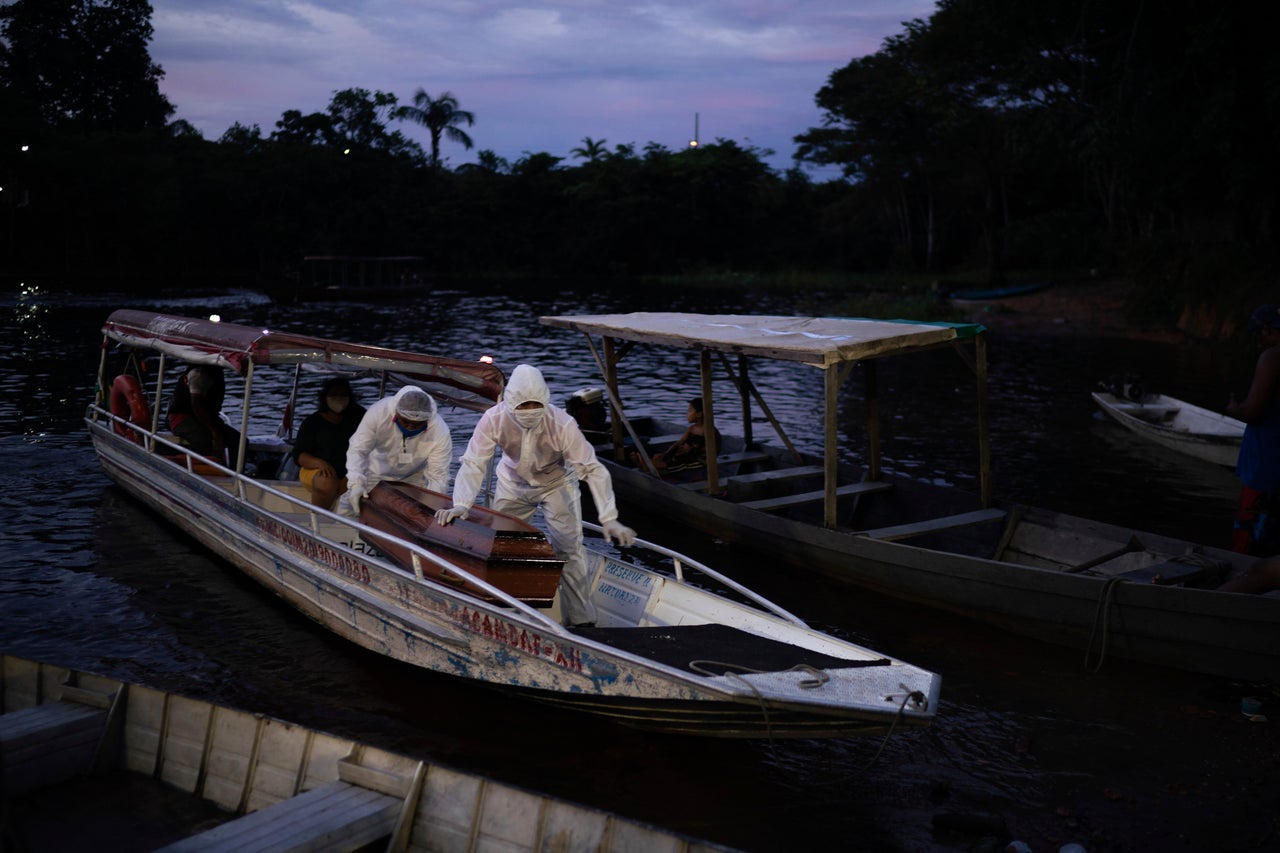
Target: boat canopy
834,344
819,341
466,384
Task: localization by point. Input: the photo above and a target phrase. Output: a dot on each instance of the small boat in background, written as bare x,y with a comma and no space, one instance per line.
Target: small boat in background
980,293
1176,424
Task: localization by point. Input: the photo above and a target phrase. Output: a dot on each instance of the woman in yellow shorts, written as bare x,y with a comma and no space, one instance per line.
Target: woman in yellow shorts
321,447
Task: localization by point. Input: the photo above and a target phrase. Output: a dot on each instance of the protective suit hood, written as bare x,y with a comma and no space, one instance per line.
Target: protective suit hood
526,384
415,404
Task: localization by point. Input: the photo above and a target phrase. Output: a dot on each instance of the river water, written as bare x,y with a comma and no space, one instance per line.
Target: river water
1127,758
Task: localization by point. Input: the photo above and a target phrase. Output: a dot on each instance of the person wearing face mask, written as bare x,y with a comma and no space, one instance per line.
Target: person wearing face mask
321,447
544,455
399,438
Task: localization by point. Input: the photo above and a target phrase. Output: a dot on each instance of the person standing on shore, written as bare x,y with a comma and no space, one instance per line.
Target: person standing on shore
1257,522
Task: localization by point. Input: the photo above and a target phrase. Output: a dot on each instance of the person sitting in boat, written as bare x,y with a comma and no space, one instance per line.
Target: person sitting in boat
399,438
195,415
690,450
544,455
321,446
1257,523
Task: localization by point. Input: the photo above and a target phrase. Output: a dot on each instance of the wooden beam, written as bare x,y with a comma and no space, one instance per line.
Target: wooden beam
831,393
709,422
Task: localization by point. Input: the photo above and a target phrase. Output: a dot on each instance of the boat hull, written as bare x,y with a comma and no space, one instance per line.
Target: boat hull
1195,629
381,607
1178,426
247,768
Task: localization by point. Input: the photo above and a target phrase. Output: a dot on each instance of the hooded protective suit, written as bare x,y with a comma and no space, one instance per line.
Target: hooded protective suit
382,450
544,455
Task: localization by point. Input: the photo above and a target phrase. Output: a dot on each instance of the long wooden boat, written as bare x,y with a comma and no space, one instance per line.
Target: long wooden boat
74,744
1101,588
1177,425
642,664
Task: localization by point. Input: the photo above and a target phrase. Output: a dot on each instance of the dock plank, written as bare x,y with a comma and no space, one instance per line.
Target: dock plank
337,816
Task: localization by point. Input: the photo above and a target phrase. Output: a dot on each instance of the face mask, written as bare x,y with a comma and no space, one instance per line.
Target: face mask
410,433
528,418
337,405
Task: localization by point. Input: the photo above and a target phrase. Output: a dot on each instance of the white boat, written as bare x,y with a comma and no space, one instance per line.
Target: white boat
646,661
1177,425
1104,589
75,746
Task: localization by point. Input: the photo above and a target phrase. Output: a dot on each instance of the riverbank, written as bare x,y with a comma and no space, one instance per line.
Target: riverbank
1094,308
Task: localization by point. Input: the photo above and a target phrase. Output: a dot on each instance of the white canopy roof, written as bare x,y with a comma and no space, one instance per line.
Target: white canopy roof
819,341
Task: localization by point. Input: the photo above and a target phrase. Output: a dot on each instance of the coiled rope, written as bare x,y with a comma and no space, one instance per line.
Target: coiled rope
1102,617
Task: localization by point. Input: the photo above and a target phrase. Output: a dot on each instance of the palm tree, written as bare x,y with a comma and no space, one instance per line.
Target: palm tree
591,150
441,117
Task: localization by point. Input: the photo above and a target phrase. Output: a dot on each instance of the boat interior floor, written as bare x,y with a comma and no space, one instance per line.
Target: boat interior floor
717,649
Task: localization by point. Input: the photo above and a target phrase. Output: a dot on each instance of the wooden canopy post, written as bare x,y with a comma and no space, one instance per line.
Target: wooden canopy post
984,437
744,385
831,389
610,369
873,419
709,422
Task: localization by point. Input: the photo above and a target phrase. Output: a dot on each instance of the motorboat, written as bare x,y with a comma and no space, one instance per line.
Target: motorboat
678,646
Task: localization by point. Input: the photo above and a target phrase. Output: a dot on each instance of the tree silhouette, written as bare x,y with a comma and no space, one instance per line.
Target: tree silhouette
591,150
82,64
441,117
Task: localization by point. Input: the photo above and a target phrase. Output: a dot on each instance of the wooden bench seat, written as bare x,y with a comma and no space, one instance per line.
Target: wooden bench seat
776,475
49,743
933,525
723,460
337,816
785,501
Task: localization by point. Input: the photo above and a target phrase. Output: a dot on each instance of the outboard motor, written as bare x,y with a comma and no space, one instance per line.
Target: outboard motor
586,405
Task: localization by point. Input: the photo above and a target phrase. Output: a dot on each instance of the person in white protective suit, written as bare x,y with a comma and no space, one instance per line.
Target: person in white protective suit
544,455
399,438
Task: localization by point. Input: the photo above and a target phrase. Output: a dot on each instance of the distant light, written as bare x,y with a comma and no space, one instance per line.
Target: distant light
215,318
486,359
346,150
693,143
26,148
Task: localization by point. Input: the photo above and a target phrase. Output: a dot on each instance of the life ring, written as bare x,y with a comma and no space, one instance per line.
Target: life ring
128,401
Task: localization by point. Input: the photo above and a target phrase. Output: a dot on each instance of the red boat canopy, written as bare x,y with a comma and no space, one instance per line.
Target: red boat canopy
467,384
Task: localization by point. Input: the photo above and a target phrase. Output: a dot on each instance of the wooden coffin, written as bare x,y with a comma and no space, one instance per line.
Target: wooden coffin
500,549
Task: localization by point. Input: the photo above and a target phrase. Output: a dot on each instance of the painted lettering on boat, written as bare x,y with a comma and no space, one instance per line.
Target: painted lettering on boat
315,550
628,575
619,594
518,637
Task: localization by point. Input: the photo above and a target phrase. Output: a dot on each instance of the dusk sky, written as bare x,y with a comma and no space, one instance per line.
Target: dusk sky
538,75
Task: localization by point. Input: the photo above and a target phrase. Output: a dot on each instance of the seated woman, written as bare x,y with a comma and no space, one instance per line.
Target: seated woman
321,447
690,450
195,415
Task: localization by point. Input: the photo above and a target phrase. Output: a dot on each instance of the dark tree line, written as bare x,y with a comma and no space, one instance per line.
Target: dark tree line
997,134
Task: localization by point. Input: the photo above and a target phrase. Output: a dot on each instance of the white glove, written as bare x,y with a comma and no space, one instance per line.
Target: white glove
615,532
354,495
448,516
